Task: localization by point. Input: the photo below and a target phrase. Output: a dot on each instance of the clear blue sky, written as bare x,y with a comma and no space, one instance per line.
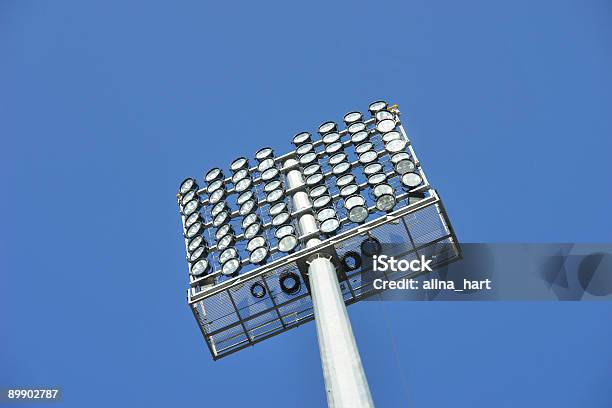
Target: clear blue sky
105,107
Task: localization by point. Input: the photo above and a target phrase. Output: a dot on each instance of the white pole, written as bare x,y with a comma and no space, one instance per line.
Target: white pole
345,380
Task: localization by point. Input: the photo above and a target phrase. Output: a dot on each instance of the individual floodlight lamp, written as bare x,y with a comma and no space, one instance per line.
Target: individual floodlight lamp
308,158
252,230
332,148
241,163
192,219
280,219
226,241
385,202
215,185
249,219
327,127
195,243
358,214
381,189
411,181
265,164
217,208
287,243
304,148
397,157
301,138
385,125
275,196
383,114
337,158
354,201
273,185
377,106
325,213
188,185
345,180
243,185
352,117
245,196
321,201
223,230
357,208
221,218
284,230
195,229
331,138
229,253
372,168
259,255
395,146
315,179
263,154
230,267
188,197
213,174
368,157
363,147
377,178
270,174
311,169
341,168
256,242
191,207
392,135
330,226
404,166
277,208
199,253
356,127
200,268
216,196
349,190
359,137
240,175
247,207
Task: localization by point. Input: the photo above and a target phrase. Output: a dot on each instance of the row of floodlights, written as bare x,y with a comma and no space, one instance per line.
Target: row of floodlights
194,226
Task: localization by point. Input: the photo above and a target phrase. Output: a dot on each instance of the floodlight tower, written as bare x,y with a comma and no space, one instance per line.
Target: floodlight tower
311,216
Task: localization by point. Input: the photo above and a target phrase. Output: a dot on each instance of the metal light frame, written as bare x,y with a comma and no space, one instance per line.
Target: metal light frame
230,318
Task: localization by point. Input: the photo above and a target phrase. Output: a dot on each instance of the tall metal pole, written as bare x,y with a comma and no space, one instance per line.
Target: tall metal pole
345,380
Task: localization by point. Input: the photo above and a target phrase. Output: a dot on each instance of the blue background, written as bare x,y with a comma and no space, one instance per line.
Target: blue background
106,106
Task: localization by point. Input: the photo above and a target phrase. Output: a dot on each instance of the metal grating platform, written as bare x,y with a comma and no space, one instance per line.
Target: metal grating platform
231,319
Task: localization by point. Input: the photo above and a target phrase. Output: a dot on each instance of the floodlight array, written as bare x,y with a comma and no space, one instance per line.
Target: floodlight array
242,220
352,184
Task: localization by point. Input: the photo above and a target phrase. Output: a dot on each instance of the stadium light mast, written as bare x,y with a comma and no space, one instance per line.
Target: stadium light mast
345,380
287,241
